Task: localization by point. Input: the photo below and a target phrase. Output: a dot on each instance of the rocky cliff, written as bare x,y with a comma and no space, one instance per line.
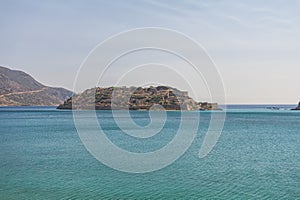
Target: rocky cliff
19,89
135,98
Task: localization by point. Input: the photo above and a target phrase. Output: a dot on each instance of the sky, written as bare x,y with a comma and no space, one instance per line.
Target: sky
254,44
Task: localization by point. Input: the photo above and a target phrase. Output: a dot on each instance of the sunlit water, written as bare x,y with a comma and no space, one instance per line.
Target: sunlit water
256,157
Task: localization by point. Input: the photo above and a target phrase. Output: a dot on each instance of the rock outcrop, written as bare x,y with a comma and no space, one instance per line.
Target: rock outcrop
298,107
135,98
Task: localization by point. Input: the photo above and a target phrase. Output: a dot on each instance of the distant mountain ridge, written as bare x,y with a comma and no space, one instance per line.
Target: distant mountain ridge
18,88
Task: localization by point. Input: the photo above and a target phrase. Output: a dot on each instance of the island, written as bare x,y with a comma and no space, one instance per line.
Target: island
297,108
141,98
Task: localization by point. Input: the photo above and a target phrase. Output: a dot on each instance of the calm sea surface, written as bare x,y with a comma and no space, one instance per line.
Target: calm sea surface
256,157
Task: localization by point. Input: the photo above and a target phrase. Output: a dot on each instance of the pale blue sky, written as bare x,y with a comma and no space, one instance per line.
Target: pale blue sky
255,44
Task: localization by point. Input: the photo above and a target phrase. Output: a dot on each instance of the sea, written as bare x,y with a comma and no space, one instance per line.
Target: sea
257,156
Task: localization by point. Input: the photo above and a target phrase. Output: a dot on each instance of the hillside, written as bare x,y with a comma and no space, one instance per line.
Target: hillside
19,89
140,99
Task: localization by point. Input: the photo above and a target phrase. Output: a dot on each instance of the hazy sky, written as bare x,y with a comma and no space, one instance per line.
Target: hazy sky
255,44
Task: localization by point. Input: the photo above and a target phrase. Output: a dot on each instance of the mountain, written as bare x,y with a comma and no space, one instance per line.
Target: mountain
19,89
135,98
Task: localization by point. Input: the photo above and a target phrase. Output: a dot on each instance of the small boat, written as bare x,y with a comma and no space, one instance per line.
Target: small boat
273,108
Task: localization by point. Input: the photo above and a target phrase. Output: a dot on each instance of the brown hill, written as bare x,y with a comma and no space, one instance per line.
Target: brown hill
19,89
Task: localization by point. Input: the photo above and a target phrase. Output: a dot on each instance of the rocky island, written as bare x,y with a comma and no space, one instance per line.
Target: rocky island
135,98
297,108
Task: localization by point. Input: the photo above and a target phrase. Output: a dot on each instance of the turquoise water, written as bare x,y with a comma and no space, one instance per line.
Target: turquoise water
256,157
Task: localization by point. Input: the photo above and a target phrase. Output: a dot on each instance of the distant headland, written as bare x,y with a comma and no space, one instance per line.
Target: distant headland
297,108
18,88
141,98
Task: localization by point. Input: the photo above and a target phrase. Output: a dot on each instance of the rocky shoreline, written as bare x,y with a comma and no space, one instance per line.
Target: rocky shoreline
135,98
